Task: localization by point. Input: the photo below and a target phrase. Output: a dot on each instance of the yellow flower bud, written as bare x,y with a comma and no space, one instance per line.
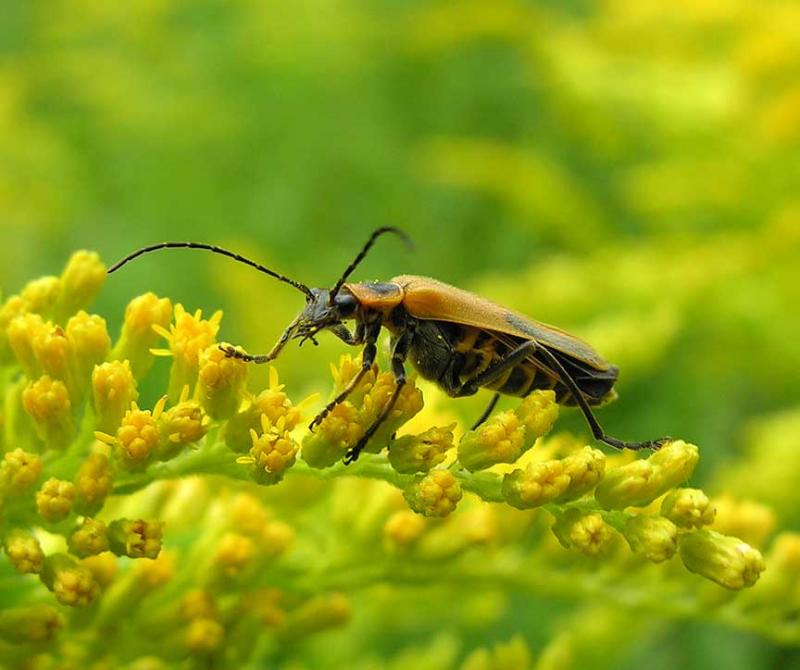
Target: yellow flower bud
276,538
435,494
419,453
723,559
554,481
103,567
143,317
93,483
23,551
688,508
639,483
407,405
747,519
234,554
135,538
48,402
81,281
19,471
221,382
54,500
537,412
402,530
197,604
88,539
114,389
71,583
22,331
339,431
53,352
41,295
137,438
652,537
13,307
584,531
89,344
203,636
37,623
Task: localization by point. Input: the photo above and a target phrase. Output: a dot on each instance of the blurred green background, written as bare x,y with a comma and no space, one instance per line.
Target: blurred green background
625,169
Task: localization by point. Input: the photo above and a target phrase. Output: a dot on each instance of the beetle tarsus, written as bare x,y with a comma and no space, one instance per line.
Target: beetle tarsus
231,352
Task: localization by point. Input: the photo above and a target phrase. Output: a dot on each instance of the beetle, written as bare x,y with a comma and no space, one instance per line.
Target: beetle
457,339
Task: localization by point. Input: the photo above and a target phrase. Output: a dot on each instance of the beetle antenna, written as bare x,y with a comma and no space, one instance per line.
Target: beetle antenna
214,249
375,235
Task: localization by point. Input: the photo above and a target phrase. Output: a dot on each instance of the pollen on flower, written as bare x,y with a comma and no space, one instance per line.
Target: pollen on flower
54,499
221,381
435,494
19,470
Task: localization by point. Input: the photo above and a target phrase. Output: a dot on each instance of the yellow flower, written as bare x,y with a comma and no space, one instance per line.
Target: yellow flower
144,315
137,437
584,531
71,583
183,424
189,335
19,470
273,452
88,539
24,551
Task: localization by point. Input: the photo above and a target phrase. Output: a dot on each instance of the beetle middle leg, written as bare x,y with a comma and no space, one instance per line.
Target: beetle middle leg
399,354
487,411
367,361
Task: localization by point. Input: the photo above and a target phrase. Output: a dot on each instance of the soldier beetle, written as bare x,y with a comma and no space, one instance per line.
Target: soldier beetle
459,340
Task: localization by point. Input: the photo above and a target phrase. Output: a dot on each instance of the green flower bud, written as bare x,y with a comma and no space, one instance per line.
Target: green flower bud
723,559
652,537
318,613
688,508
203,636
419,453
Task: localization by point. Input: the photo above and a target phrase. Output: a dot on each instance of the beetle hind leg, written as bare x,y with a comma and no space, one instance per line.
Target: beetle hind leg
487,412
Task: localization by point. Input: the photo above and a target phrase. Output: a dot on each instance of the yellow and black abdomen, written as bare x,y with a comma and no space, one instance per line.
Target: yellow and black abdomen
475,350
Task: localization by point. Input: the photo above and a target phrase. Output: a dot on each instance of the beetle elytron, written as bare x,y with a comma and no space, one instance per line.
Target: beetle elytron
457,339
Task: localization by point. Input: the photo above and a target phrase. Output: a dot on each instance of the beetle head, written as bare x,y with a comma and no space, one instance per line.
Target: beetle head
322,312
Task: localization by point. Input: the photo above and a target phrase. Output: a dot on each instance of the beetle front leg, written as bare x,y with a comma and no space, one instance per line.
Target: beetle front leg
399,354
367,361
231,352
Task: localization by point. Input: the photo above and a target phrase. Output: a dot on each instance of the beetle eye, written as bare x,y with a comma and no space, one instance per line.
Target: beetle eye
346,304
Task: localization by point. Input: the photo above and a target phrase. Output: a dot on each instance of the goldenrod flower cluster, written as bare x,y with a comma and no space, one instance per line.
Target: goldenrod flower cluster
210,514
